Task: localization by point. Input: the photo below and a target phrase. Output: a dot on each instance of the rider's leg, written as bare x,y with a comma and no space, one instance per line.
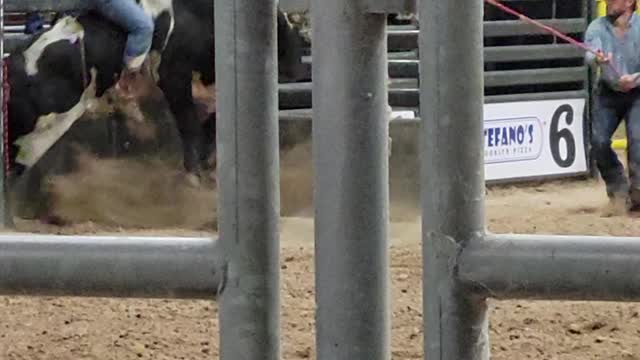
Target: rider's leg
35,23
137,23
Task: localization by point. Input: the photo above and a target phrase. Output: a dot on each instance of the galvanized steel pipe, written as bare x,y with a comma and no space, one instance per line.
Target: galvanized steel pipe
452,174
350,156
5,209
105,266
553,267
248,177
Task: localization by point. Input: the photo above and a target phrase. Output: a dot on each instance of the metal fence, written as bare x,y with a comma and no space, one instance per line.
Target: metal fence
521,62
463,265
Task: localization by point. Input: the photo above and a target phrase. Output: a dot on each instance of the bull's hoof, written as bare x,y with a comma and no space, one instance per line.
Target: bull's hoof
55,220
211,177
617,206
192,180
634,209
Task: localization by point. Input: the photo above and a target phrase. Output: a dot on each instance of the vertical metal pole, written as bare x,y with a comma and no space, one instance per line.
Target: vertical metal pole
5,211
350,147
248,159
452,174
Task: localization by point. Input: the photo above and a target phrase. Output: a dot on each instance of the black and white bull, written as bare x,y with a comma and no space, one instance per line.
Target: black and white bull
58,76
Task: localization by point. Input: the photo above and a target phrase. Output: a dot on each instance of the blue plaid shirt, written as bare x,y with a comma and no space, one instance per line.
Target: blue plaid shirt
626,51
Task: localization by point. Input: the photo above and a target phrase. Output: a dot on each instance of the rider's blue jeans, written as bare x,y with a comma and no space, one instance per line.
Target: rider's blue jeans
609,109
136,22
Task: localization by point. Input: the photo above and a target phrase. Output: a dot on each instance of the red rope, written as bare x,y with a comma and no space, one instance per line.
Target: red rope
555,32
6,91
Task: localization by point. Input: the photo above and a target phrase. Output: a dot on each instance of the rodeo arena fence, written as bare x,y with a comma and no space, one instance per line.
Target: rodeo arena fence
467,95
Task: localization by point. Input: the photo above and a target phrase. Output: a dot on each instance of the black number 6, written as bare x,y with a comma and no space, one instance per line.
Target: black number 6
555,135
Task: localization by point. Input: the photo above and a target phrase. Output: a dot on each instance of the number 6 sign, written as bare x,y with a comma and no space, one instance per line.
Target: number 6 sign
556,134
534,139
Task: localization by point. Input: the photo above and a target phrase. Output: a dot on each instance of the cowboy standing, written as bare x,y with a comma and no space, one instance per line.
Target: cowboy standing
616,96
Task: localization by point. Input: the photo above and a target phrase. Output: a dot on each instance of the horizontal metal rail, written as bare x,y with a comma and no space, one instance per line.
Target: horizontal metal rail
553,267
298,96
399,115
505,28
43,5
305,114
408,39
19,29
110,266
531,52
398,68
552,95
535,76
508,78
409,69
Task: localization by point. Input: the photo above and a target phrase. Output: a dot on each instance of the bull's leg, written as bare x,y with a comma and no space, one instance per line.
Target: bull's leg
176,86
208,155
208,150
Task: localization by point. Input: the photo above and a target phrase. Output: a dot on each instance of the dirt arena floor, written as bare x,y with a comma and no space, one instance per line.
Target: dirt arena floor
71,328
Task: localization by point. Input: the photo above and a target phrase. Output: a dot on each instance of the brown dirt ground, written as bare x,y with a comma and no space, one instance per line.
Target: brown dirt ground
72,328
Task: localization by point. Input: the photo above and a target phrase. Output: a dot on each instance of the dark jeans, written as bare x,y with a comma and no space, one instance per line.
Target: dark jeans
609,109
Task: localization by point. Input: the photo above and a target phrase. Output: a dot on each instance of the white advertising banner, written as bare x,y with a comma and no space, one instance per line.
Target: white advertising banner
534,139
